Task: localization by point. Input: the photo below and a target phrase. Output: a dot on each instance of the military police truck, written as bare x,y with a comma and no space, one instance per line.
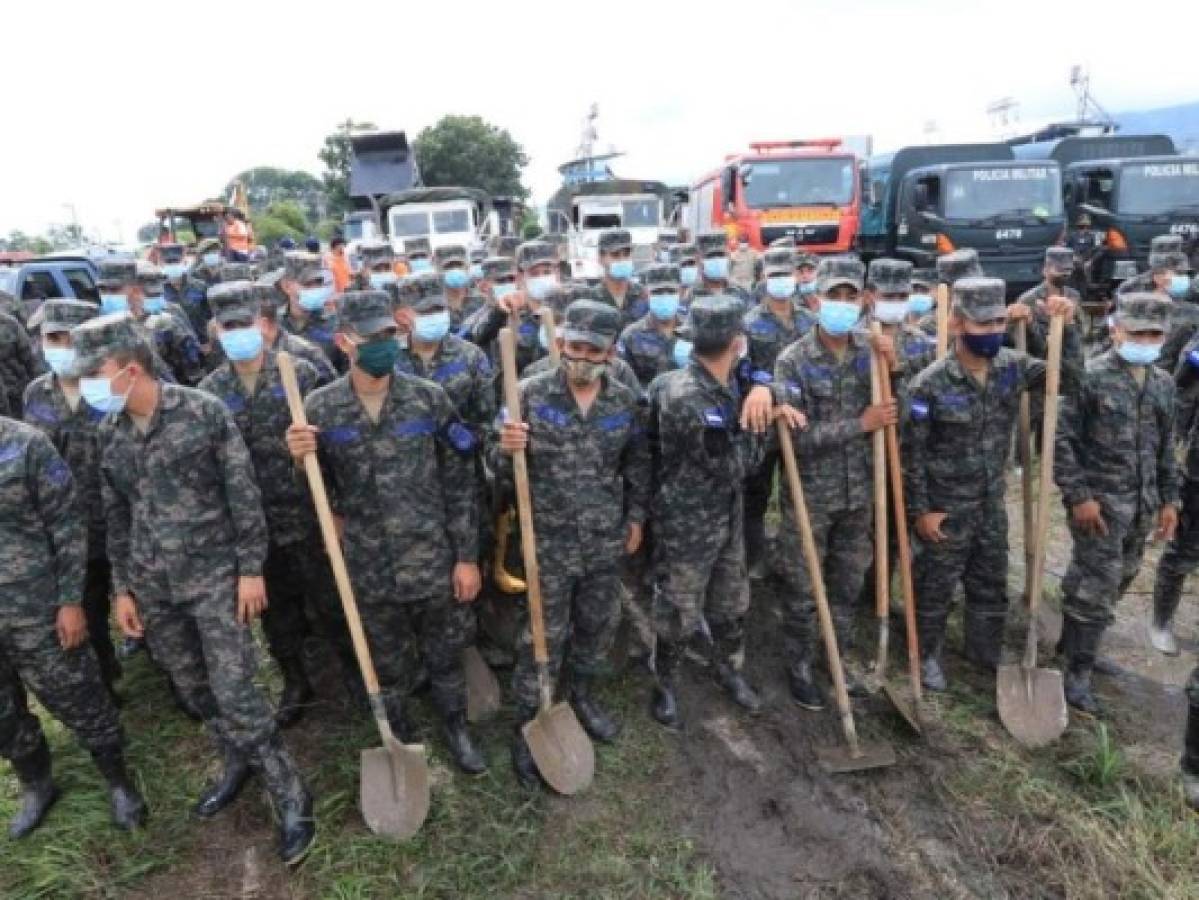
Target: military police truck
922,202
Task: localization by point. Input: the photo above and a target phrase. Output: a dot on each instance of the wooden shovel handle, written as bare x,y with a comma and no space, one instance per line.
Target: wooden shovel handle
882,575
942,320
316,482
524,501
1024,454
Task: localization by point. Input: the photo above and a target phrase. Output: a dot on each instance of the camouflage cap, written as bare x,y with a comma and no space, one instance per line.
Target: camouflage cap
890,276
683,252
151,278
61,314
207,245
580,290
373,253
418,246
980,299
301,266
1059,260
959,264
232,301
503,245
170,253
660,275
1166,243
838,270
116,273
557,298
711,243
1143,311
416,291
613,239
778,261
592,323
804,258
1170,261
925,278
237,271
713,319
450,254
533,253
267,294
498,266
366,312
99,338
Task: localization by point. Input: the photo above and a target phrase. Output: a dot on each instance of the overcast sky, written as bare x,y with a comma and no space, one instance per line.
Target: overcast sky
123,106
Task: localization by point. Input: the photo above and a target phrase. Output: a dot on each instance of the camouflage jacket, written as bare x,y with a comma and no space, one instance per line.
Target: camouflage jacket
957,434
1038,331
1115,440
75,435
41,532
176,346
770,335
18,363
182,498
1186,402
634,306
589,474
459,316
317,330
307,351
405,484
465,373
483,328
646,349
620,371
192,296
262,419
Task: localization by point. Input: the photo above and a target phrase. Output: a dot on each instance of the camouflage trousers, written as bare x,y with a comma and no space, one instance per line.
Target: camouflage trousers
66,682
403,635
758,485
1102,566
1181,556
193,633
974,554
637,598
302,601
581,614
97,604
1190,750
700,579
843,542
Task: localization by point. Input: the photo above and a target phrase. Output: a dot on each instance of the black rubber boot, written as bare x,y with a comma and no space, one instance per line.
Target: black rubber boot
984,638
1167,591
593,717
523,763
737,687
1190,758
1080,642
291,800
855,683
124,799
932,647
38,791
804,689
468,757
664,705
397,717
755,546
297,692
220,793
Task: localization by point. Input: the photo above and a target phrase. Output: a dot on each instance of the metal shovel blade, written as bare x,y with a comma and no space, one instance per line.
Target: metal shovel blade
561,749
394,789
1032,704
482,688
908,710
838,760
1049,624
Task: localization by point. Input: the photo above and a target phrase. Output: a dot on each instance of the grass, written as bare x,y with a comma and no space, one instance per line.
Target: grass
484,836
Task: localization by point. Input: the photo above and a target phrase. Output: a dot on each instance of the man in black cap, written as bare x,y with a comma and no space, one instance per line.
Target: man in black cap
616,281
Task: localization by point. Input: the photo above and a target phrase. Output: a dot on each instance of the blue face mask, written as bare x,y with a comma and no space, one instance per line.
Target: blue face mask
431,327
61,360
620,269
1179,285
807,288
455,278
716,268
780,287
890,312
241,344
113,303
420,266
174,271
154,305
212,260
539,286
983,345
97,393
663,306
313,299
1140,354
681,353
476,271
500,291
688,276
920,304
838,317
380,281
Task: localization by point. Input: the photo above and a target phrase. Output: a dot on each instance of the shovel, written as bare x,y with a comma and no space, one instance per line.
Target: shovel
880,391
856,757
942,320
1024,453
1032,705
561,749
394,779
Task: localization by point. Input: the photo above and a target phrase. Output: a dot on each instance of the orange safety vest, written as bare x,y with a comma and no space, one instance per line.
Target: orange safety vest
237,236
340,267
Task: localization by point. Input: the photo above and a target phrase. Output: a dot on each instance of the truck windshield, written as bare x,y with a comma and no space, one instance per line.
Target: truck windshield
451,221
1148,188
799,182
1009,190
640,213
409,224
359,229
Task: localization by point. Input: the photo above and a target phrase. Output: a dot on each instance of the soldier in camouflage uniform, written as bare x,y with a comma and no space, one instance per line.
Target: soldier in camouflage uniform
43,631
311,311
189,288
461,300
589,474
826,376
920,302
962,263
508,305
617,286
1156,277
275,338
1116,470
713,251
956,441
53,405
152,281
419,254
648,345
400,470
378,272
19,364
701,454
891,280
187,540
11,306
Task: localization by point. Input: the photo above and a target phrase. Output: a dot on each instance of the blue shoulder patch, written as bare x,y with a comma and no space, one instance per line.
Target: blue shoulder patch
761,376
919,410
414,428
9,452
793,388
527,330
320,335
615,421
763,327
1193,357
448,370
460,437
235,403
713,417
42,412
339,436
58,473
551,414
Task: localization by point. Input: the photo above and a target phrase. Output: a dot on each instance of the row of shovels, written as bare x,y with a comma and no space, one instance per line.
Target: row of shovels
394,778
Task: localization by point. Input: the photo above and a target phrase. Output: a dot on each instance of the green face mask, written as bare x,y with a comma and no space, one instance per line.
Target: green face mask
378,358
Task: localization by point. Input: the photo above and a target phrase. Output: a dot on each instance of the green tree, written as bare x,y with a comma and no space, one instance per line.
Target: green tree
267,185
335,154
465,151
283,219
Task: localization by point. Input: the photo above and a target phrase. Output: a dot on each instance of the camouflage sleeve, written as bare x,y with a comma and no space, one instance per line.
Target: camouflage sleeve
242,494
313,411
1167,462
53,492
457,446
30,361
482,328
1069,459
1074,361
479,410
117,521
637,469
821,434
191,360
915,431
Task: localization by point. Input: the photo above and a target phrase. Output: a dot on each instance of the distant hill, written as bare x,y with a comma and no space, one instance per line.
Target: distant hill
1179,122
